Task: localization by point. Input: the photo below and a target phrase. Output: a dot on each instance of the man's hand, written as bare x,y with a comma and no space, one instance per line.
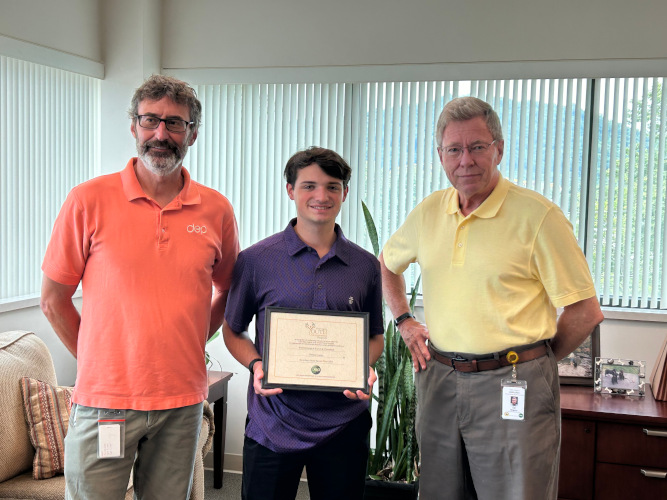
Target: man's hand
415,335
257,383
372,377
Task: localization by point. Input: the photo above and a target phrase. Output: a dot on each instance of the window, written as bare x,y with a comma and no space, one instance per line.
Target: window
563,139
247,134
594,147
48,131
628,237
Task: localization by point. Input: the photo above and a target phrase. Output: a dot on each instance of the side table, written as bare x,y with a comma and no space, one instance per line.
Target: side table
217,395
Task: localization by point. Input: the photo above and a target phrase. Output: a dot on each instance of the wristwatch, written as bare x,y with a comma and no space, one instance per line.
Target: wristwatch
402,318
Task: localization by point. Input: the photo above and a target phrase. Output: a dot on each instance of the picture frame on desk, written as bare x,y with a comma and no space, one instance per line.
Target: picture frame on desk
620,376
578,367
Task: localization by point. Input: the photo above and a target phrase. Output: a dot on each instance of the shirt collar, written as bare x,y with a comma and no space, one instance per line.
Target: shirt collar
489,208
189,195
340,249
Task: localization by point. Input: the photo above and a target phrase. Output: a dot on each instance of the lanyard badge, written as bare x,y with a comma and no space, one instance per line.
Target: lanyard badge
110,433
513,393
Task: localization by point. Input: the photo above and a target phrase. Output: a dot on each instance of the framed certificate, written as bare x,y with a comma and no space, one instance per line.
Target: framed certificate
315,350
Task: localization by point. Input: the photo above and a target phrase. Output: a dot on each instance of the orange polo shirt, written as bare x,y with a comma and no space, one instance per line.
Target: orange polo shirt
147,274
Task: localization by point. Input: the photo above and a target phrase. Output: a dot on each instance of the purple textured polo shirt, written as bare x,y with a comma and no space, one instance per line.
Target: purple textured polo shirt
283,271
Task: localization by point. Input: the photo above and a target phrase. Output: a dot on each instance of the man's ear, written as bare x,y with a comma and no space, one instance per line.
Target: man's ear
345,191
133,129
193,138
290,190
500,146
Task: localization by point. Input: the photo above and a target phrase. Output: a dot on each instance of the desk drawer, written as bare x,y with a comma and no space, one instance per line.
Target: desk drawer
631,445
624,482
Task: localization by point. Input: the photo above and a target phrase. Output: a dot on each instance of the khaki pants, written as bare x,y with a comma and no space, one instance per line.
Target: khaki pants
469,452
164,443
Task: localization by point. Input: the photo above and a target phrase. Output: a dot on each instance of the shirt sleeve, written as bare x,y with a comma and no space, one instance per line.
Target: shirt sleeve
402,247
242,299
559,263
68,249
229,249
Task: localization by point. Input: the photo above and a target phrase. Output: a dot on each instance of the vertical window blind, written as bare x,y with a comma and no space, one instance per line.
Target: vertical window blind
249,132
49,122
563,136
627,229
545,143
594,147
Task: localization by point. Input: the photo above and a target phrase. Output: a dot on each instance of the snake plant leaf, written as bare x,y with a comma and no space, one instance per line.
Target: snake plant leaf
386,422
372,230
413,294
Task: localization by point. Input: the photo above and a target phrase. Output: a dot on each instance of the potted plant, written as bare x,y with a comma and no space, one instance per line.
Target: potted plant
393,464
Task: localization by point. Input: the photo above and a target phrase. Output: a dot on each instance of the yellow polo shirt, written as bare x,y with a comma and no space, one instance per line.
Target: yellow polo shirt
491,280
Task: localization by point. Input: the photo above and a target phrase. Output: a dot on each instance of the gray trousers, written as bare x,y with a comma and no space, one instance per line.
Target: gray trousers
469,452
164,443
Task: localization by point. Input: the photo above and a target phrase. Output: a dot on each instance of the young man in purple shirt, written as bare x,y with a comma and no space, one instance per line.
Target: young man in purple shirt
309,265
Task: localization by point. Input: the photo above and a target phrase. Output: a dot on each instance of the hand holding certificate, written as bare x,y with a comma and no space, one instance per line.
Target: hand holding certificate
315,350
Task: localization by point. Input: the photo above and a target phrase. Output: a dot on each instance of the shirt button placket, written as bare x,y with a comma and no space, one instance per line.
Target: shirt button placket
163,235
319,297
458,256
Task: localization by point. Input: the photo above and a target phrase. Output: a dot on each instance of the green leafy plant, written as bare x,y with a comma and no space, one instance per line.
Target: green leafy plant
396,454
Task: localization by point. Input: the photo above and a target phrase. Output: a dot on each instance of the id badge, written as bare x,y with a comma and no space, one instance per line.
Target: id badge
110,433
513,394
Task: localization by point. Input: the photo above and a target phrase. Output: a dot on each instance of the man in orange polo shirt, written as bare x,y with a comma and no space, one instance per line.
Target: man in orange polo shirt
148,244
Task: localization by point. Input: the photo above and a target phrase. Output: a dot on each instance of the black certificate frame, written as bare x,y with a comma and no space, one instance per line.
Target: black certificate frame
314,317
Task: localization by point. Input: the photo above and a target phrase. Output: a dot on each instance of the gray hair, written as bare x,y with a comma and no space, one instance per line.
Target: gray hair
465,108
159,86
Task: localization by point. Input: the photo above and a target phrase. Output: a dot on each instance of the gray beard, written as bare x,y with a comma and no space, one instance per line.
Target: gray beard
162,164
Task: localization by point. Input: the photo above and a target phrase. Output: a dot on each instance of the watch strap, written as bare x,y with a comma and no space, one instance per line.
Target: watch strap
402,318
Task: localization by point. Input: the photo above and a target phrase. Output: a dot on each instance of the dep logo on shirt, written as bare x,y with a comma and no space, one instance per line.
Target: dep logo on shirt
197,229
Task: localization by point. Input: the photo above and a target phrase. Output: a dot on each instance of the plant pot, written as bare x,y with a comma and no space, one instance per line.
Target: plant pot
388,490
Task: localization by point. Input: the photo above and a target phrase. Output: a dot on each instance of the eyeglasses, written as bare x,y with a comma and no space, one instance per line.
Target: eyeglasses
455,152
172,124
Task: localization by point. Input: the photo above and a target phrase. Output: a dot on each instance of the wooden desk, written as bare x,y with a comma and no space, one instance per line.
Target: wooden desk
609,444
217,394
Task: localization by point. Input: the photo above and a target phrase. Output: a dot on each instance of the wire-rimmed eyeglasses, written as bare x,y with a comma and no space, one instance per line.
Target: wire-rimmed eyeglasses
172,124
455,152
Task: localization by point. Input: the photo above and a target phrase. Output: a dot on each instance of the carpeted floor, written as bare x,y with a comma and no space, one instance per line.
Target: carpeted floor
231,487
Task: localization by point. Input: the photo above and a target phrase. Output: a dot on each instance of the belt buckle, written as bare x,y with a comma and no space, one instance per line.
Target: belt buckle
457,359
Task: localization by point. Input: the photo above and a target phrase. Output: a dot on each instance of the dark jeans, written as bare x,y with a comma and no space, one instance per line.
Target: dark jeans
336,469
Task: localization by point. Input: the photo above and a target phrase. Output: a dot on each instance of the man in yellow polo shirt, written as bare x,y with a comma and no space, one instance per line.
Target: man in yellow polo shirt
496,261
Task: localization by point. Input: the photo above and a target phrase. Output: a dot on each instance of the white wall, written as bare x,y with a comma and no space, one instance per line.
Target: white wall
297,33
130,39
70,26
639,340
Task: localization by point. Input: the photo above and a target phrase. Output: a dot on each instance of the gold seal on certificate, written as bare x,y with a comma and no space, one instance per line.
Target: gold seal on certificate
315,350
